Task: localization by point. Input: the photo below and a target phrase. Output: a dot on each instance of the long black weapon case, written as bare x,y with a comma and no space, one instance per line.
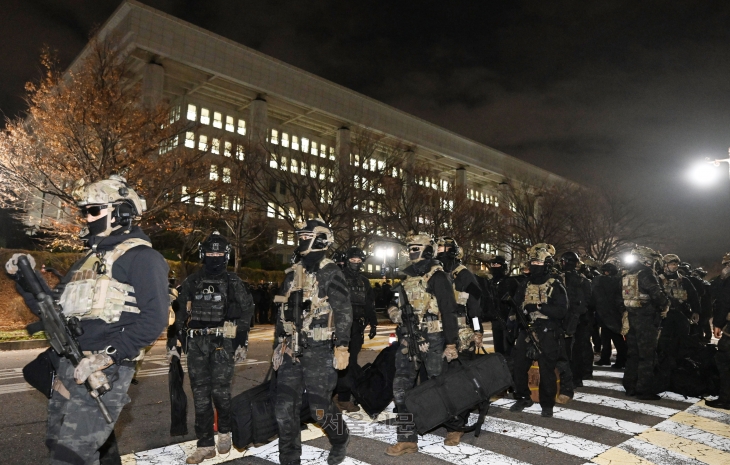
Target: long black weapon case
463,386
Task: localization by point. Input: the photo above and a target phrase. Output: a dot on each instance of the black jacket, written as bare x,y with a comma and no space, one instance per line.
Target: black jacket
465,281
608,301
366,311
556,307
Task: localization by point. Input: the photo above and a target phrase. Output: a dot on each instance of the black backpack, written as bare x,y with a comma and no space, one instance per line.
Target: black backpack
373,388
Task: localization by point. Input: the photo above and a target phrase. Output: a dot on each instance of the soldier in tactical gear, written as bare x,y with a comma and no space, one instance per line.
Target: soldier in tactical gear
362,299
697,276
315,317
468,297
578,325
684,310
721,330
212,323
544,302
118,292
499,289
428,330
646,305
609,304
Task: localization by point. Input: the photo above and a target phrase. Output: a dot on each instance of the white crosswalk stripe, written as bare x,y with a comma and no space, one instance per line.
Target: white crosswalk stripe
630,405
655,454
695,434
619,387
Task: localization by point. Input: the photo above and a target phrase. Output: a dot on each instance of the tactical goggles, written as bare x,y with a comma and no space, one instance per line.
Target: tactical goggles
92,210
415,248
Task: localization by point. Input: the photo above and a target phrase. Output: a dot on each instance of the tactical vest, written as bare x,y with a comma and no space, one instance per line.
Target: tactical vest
461,297
318,306
673,288
93,293
466,332
358,294
630,288
538,294
210,300
421,300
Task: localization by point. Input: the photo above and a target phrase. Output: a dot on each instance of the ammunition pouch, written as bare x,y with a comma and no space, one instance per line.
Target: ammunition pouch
461,297
433,326
320,334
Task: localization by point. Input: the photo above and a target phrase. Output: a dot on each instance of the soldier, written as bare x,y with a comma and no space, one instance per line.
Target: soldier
363,314
117,322
468,296
542,299
578,324
426,304
721,330
705,303
609,304
646,305
212,324
315,317
499,289
684,310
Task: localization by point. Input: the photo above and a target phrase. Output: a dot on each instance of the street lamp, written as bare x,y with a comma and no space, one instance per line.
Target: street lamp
716,163
703,174
383,253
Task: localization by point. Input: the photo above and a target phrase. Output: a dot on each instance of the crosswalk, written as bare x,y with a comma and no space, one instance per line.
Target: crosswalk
600,426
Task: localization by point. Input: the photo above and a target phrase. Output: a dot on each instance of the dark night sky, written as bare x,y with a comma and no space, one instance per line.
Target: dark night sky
620,93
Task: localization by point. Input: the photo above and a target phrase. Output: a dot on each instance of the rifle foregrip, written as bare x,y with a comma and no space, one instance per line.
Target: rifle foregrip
29,276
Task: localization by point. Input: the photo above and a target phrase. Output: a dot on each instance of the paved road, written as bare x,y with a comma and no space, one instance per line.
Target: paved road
601,425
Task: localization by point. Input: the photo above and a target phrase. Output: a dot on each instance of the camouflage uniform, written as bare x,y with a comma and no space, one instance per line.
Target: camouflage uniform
313,371
210,356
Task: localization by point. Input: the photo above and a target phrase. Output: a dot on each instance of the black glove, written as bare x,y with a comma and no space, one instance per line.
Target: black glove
373,331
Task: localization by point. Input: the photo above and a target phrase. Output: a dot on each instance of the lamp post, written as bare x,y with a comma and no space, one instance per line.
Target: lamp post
718,161
383,253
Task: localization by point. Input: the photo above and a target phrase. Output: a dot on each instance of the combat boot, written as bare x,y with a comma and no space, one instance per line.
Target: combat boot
200,454
346,406
401,448
563,399
338,453
718,403
547,412
224,443
453,438
521,405
648,396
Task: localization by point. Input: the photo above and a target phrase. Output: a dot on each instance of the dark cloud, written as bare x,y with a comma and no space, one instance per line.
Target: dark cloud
616,92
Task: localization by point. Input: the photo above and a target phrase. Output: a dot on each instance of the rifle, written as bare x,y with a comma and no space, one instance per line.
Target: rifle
408,317
531,333
297,299
60,332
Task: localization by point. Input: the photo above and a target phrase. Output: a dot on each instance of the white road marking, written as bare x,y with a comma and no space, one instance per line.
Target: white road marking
655,454
694,434
630,405
710,413
618,387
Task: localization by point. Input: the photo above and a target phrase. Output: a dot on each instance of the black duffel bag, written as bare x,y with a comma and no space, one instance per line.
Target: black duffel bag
253,421
178,399
373,388
463,386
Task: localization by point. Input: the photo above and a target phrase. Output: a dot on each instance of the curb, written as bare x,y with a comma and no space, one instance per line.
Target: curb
22,345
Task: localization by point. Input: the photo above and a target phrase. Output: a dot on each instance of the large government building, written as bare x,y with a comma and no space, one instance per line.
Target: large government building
230,90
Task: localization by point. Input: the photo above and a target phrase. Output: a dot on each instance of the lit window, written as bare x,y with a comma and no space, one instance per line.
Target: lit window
272,162
184,197
322,150
312,170
227,148
204,116
215,146
377,267
175,114
332,153
192,112
322,173
294,165
271,210
242,127
203,143
357,160
275,137
314,149
295,142
217,120
239,152
290,239
224,201
303,169
236,204
211,198
190,139
280,237
305,144
213,173
199,200
381,165
370,267
282,165
284,139
227,175
229,124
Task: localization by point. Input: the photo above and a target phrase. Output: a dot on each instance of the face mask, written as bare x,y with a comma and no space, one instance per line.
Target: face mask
304,245
569,266
497,271
354,266
414,256
97,227
312,258
537,270
215,264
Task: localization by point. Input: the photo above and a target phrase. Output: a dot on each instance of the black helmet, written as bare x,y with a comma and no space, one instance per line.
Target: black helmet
214,243
498,259
355,252
449,243
610,268
570,257
686,268
322,239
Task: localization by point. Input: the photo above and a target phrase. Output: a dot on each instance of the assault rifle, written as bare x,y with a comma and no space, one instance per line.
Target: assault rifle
296,299
531,333
60,331
408,317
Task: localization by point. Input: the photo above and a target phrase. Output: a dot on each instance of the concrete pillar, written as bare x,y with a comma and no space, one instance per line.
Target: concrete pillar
258,120
153,83
343,146
460,181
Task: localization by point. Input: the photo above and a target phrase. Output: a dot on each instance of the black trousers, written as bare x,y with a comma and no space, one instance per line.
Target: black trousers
641,342
607,337
550,343
563,365
581,362
722,359
346,377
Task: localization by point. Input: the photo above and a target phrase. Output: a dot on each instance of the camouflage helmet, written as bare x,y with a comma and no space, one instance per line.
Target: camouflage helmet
450,242
671,258
112,191
422,240
323,237
645,255
726,258
541,252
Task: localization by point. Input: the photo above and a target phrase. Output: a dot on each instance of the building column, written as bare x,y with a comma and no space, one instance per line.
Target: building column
153,83
258,123
343,146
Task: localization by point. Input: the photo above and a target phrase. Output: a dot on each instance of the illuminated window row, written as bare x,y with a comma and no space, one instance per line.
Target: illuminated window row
301,143
479,196
278,211
299,167
215,145
218,119
285,237
211,199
